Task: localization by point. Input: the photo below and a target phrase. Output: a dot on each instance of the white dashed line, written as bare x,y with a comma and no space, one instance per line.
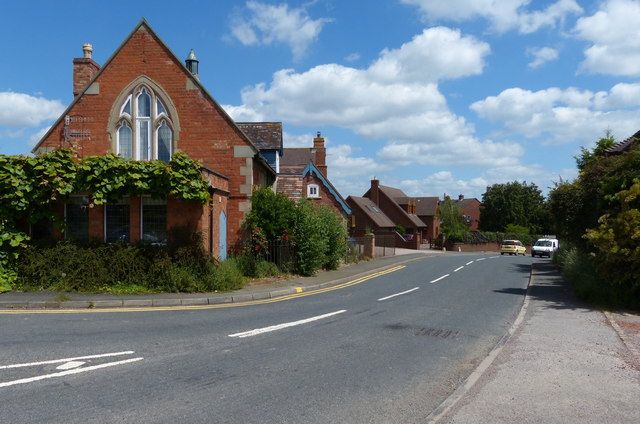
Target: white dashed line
285,325
398,294
469,263
438,279
458,269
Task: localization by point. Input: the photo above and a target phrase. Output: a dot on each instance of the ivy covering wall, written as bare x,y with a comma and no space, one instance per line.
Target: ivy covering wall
30,186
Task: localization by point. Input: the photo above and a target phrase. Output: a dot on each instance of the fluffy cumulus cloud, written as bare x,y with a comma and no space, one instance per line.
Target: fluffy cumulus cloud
22,110
503,15
613,36
444,182
541,55
395,99
562,115
261,23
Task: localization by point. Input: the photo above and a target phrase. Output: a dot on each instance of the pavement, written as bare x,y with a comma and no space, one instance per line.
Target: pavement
562,361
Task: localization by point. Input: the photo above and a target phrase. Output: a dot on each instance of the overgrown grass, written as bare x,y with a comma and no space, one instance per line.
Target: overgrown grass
590,285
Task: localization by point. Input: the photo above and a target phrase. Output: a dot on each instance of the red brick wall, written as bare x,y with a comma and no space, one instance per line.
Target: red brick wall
326,198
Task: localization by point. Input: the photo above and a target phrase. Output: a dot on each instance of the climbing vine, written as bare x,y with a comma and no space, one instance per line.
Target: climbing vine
29,186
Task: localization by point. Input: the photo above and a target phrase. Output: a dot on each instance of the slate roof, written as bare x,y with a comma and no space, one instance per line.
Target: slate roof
296,156
370,209
623,146
426,206
265,135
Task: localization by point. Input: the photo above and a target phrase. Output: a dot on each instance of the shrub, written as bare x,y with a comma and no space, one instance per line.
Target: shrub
125,268
580,270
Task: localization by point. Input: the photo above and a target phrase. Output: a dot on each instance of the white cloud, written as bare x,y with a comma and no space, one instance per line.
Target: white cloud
541,55
444,182
35,138
23,110
564,115
268,24
504,15
613,33
437,54
396,98
297,140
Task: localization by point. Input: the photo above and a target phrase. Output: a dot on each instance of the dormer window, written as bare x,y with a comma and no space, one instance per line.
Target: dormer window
144,130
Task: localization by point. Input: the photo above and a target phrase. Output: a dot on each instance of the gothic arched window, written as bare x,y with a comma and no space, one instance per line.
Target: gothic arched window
144,128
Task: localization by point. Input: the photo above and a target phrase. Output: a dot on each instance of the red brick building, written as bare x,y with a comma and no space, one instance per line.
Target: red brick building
144,103
470,209
301,171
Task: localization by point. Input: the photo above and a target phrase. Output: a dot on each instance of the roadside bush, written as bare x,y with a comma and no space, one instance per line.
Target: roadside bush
335,236
316,233
124,268
580,270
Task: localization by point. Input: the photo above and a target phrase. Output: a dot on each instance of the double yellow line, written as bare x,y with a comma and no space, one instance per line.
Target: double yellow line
300,293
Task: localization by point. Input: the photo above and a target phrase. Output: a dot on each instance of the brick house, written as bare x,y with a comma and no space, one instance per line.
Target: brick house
395,205
301,171
144,103
470,209
428,210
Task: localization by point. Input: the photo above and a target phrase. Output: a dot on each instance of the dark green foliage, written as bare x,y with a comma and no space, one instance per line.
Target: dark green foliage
580,269
599,214
589,156
453,225
316,233
29,186
335,233
513,203
68,267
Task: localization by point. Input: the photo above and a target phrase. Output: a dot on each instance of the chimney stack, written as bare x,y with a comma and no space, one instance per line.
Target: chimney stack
374,195
84,69
320,155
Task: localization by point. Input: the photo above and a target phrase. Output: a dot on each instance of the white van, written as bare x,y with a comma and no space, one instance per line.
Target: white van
545,247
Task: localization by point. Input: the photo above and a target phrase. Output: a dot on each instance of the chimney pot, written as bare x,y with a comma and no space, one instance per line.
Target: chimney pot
87,49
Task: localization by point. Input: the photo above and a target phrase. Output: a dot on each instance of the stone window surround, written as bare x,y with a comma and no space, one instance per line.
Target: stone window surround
133,88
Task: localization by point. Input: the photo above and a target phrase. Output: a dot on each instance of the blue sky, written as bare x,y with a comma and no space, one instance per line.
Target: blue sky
429,96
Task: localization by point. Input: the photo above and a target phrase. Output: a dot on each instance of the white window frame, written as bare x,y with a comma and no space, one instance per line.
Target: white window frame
310,191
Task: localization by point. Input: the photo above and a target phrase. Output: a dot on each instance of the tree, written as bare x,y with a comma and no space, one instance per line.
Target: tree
453,224
512,203
588,156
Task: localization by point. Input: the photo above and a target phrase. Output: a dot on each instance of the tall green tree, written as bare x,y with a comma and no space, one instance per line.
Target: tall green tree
453,225
513,203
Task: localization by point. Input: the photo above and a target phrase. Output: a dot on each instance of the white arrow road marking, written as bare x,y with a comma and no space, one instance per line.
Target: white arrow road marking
68,372
438,279
398,294
58,361
285,325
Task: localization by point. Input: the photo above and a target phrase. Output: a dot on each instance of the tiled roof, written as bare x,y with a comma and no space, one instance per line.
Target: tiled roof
265,135
296,156
623,146
371,210
426,206
392,193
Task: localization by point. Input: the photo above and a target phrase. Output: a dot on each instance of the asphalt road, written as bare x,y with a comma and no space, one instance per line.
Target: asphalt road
386,350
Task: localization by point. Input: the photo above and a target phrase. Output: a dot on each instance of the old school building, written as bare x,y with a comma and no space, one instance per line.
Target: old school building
144,103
